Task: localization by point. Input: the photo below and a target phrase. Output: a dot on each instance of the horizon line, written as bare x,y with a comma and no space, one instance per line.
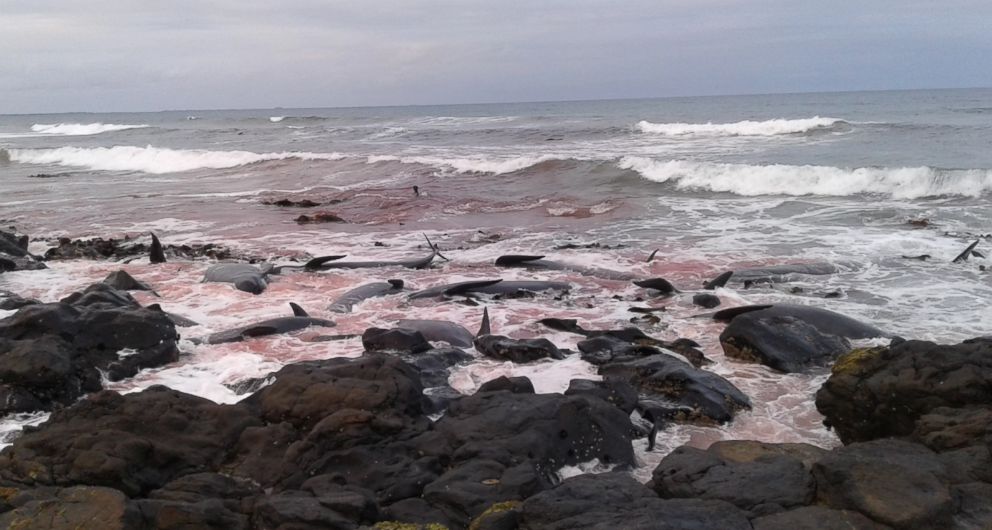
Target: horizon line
519,102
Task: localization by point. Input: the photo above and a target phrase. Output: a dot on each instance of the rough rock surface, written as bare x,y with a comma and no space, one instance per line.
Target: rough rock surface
886,391
52,354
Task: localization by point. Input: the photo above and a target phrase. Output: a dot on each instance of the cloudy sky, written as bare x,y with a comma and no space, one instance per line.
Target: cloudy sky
103,55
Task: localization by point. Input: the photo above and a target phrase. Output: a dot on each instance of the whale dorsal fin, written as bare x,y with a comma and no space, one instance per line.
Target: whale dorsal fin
155,254
484,328
397,284
509,260
719,281
651,257
298,311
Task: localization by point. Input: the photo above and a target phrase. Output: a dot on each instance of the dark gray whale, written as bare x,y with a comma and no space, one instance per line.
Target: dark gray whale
442,330
349,299
539,263
495,287
245,277
417,263
272,326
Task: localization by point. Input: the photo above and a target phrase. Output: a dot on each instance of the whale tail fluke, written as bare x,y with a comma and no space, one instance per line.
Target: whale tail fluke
434,248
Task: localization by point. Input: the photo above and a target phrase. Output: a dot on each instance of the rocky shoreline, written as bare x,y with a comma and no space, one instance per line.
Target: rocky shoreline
358,443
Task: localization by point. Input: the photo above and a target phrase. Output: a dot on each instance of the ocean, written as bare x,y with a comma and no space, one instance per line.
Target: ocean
712,183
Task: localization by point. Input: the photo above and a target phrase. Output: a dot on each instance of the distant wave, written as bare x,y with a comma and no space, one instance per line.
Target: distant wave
150,159
495,166
81,129
741,128
276,119
778,179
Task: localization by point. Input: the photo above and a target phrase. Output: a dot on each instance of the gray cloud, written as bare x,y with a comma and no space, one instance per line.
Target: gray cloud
101,55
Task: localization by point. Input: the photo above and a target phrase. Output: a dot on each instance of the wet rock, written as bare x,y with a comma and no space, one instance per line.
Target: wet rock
319,217
516,350
709,301
619,393
767,484
133,443
816,518
394,340
54,353
507,446
125,282
10,301
303,203
680,391
896,483
112,248
517,385
615,500
435,364
879,392
78,508
975,505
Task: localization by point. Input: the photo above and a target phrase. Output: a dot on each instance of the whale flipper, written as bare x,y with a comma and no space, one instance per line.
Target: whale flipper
967,252
510,260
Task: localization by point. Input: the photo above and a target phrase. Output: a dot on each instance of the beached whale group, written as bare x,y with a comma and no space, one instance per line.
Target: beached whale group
667,376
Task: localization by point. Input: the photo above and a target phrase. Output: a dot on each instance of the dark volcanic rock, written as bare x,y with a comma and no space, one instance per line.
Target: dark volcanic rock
134,443
10,301
878,392
707,300
896,483
434,364
615,500
621,394
506,446
674,389
53,353
319,217
816,518
766,484
517,350
99,248
517,385
394,340
78,508
125,282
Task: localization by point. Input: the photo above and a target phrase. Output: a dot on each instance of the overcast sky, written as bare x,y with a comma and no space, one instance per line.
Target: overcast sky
104,55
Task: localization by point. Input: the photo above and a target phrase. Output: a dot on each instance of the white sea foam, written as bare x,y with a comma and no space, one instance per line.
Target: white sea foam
81,129
496,166
742,128
154,160
779,179
276,119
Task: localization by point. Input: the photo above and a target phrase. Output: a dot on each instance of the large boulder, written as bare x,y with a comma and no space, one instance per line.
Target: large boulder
76,508
900,484
516,350
879,392
672,389
759,478
615,500
51,354
133,443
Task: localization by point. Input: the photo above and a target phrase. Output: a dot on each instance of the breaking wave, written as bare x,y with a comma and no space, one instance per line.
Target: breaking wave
779,179
81,129
742,128
495,166
153,160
